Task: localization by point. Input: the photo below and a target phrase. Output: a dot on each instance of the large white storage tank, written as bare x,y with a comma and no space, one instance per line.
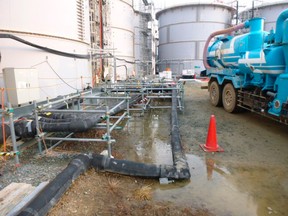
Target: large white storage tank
269,11
60,25
143,26
183,31
122,36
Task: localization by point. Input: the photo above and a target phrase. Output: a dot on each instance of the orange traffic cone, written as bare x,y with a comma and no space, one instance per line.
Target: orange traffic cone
211,141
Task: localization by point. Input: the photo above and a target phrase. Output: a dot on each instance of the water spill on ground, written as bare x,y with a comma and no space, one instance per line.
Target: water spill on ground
232,190
147,139
249,178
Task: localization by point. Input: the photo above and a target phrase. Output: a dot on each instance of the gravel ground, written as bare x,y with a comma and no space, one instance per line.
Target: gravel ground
33,169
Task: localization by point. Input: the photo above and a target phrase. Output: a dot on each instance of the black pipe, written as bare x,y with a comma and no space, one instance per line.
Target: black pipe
50,195
7,133
131,168
66,122
52,120
75,125
56,52
179,170
100,162
179,158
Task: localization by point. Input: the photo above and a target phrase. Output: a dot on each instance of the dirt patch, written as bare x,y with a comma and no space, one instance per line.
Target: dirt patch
110,194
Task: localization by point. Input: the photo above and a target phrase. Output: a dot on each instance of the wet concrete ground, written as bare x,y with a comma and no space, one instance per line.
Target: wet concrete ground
249,178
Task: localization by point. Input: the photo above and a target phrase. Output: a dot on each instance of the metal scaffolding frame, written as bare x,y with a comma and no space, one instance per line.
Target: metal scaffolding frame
150,90
10,112
82,108
87,101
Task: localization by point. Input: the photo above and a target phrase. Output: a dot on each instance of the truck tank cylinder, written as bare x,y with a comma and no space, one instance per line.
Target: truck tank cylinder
256,65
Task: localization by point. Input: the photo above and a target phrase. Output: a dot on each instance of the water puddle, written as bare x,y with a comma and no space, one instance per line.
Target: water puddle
148,138
239,185
229,191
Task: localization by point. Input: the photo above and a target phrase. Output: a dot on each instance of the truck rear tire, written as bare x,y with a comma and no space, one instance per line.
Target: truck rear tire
215,94
229,98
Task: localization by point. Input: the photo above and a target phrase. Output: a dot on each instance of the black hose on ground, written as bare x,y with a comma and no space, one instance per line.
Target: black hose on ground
50,195
104,163
179,158
131,168
179,170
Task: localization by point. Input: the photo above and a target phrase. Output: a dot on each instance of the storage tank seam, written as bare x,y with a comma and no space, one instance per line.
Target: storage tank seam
178,42
172,24
126,30
127,4
192,5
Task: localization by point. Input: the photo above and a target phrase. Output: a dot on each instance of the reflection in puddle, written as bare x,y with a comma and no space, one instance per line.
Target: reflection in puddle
149,138
222,187
223,193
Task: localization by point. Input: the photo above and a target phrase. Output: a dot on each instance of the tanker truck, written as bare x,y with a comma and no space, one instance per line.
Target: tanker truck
250,71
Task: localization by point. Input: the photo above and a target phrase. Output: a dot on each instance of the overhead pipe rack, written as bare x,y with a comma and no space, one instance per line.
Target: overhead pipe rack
150,91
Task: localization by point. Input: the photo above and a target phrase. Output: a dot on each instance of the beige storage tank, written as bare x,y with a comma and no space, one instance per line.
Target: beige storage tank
183,31
121,29
268,11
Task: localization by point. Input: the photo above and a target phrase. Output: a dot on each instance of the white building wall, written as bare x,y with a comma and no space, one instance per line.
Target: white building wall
60,25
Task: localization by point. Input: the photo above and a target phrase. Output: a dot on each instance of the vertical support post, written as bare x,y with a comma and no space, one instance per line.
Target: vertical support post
179,68
108,132
78,100
73,106
182,96
181,93
38,135
143,105
13,137
127,102
115,76
128,112
101,38
91,93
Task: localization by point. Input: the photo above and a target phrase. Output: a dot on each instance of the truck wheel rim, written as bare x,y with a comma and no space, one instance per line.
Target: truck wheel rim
228,98
213,93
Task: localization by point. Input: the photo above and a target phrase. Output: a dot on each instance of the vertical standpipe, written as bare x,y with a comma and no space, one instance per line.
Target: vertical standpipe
256,24
285,44
255,37
279,35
